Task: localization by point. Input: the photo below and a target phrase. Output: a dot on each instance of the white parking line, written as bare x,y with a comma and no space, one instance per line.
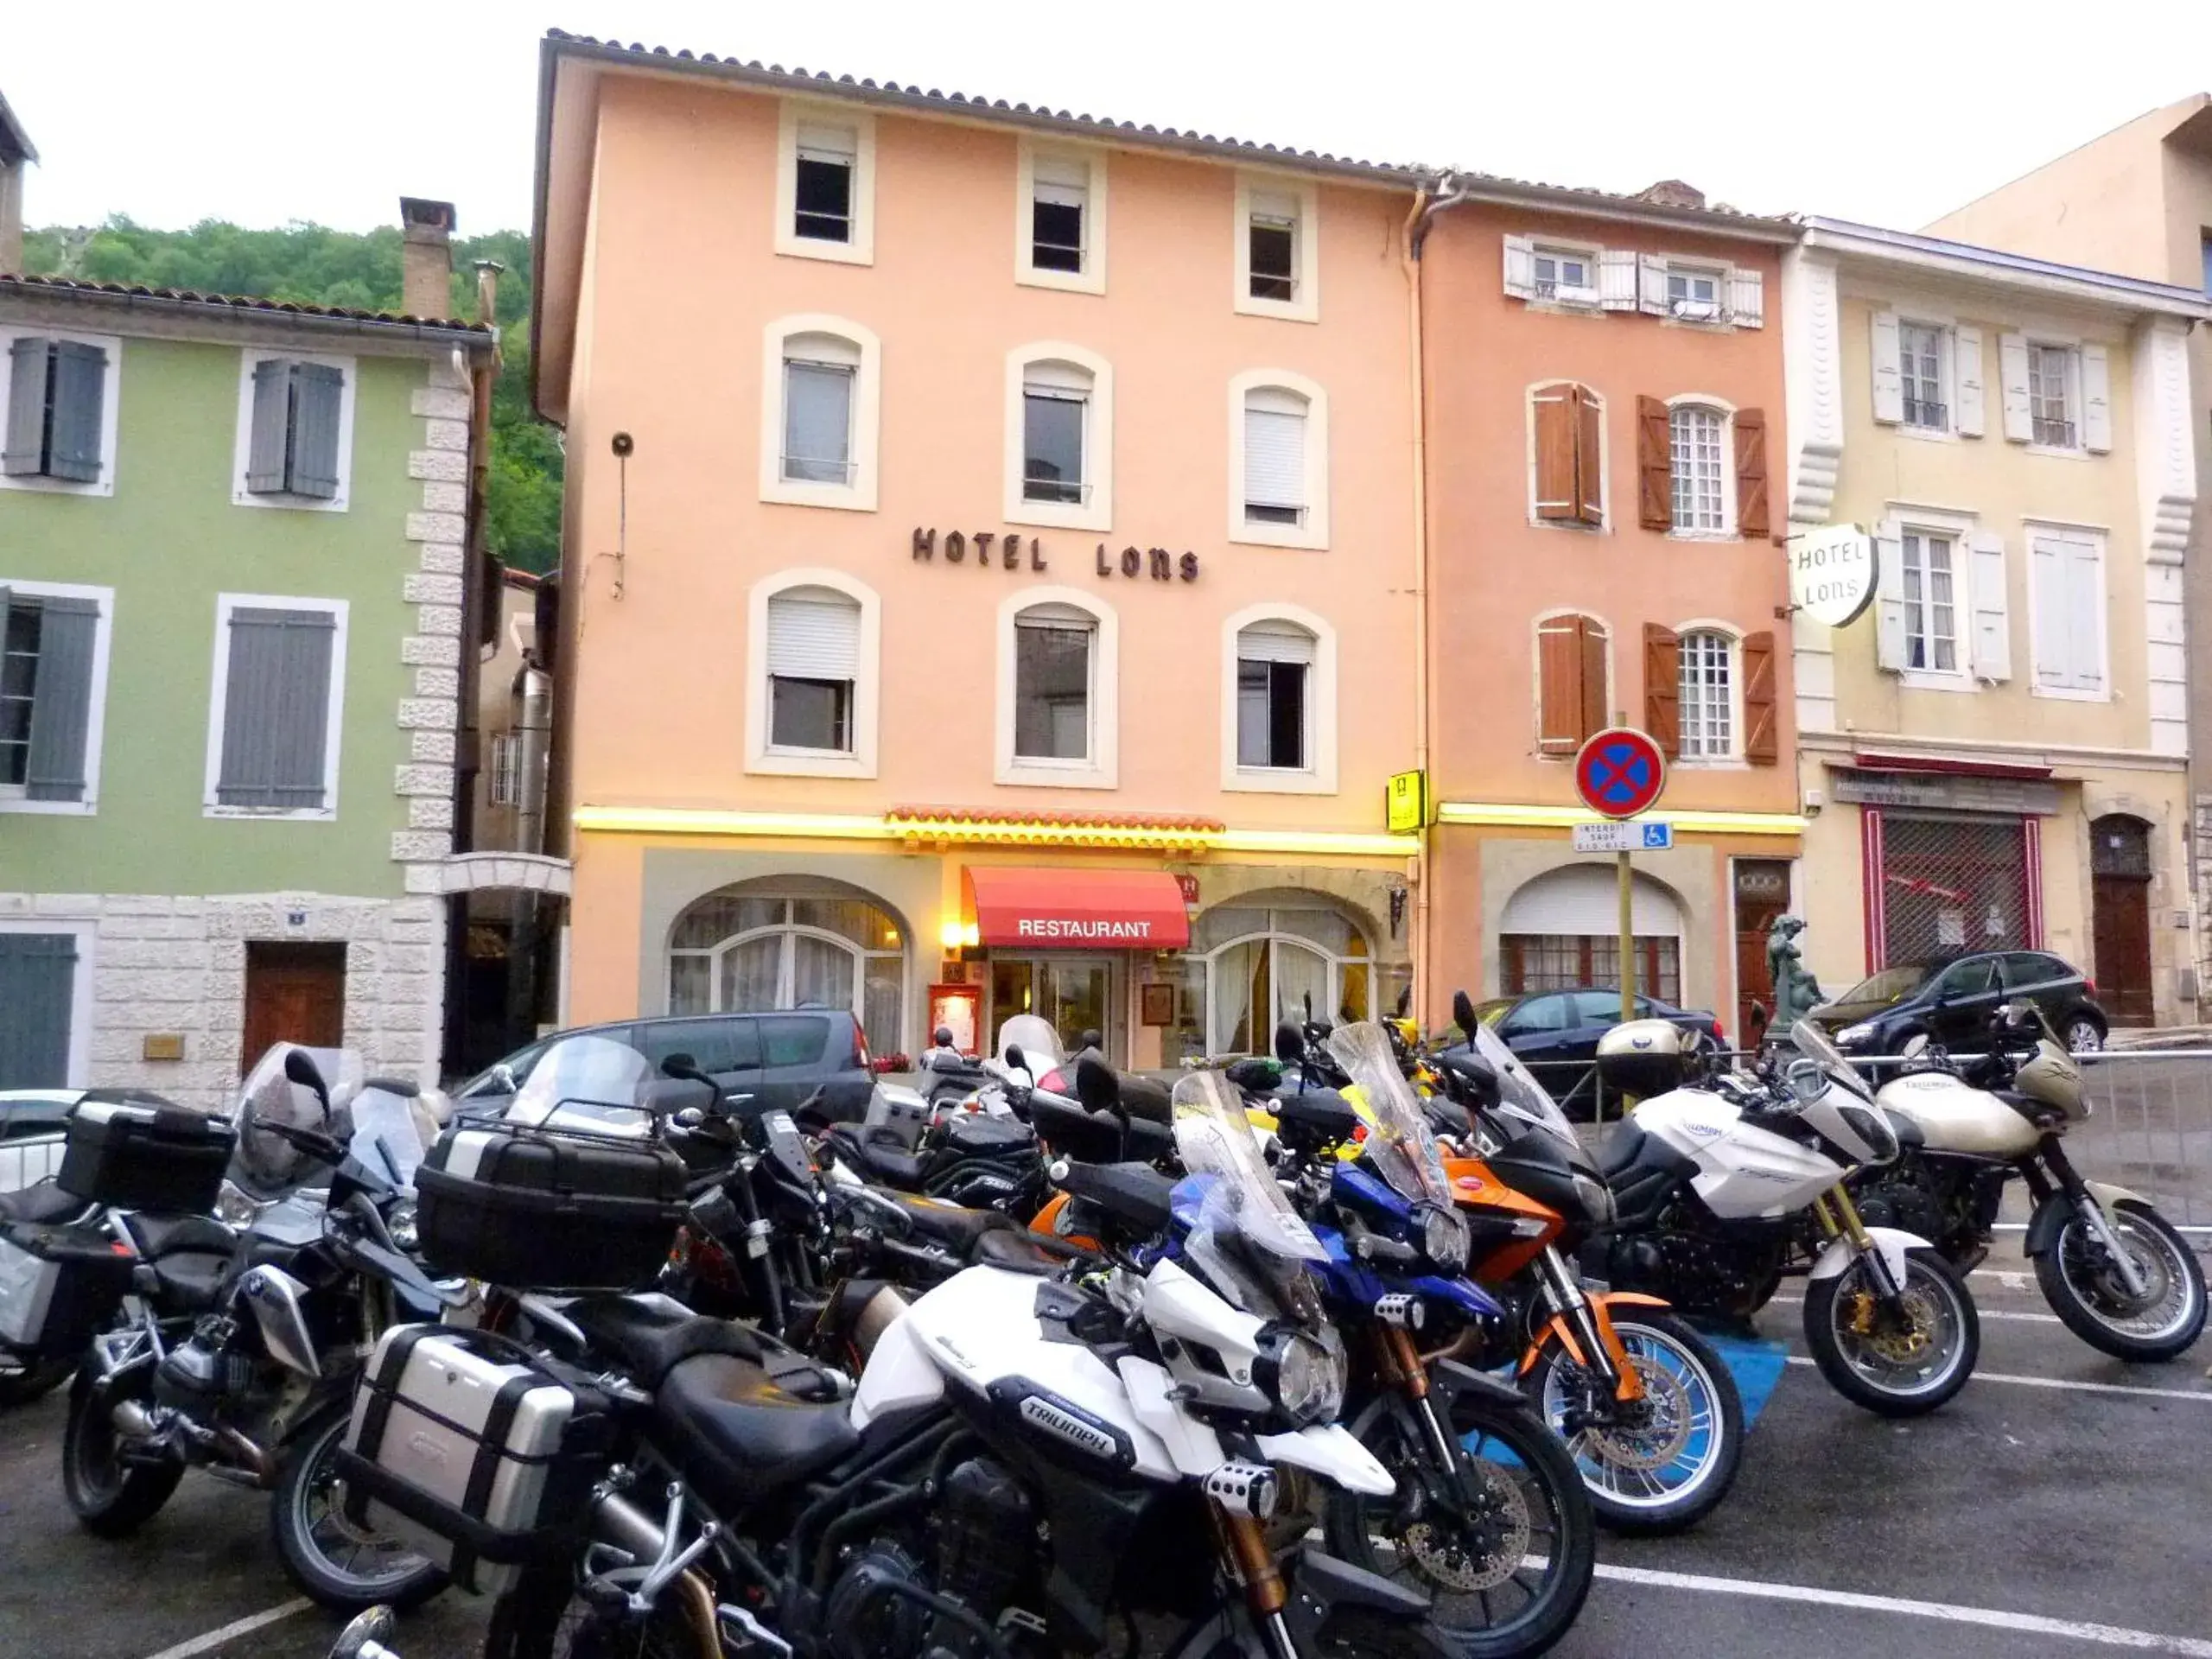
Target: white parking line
1979,1311
215,1639
2201,1397
1992,1618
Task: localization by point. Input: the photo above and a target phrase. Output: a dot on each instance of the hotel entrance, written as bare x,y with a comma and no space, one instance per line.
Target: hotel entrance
1074,993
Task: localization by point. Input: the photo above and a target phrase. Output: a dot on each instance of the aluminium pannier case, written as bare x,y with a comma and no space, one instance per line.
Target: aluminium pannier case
59,1286
136,1151
539,1209
467,1447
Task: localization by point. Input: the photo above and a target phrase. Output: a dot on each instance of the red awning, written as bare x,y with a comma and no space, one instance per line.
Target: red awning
1075,910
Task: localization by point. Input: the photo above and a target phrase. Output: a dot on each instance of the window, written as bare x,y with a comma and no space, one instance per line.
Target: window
789,944
506,769
1275,672
1250,966
1708,710
1927,376
1930,604
1565,274
1696,437
46,1009
1544,961
820,409
2051,400
296,432
1059,436
1571,682
1274,457
1056,690
2057,394
54,645
813,664
815,638
2068,600
280,671
1920,363
1061,220
1278,460
60,410
825,183
1567,455
1277,273
1691,290
1695,293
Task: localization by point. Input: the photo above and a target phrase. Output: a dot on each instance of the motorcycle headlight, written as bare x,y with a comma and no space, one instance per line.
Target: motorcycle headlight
402,1225
1444,1240
1302,1374
1855,1036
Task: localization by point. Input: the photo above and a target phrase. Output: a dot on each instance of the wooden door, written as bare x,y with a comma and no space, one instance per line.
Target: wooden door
294,994
1762,895
2123,948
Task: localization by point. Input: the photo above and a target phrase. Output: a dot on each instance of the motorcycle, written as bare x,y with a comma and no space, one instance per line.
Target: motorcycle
235,1349
1722,1185
2112,1268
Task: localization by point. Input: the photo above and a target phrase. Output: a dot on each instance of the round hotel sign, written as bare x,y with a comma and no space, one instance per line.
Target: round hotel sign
1619,772
1832,573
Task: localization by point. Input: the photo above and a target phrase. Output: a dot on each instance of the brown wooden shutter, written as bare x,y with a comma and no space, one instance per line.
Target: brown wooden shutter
1556,434
1558,684
1662,689
1762,746
1654,466
1751,473
1595,715
1589,457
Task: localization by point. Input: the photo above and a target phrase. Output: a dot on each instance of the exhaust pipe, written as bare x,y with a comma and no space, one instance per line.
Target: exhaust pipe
617,1521
132,1421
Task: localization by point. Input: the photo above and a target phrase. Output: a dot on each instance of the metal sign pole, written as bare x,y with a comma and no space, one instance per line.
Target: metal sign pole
1628,939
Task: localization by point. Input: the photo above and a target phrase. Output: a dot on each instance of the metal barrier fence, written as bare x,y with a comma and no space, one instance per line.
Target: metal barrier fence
2148,1128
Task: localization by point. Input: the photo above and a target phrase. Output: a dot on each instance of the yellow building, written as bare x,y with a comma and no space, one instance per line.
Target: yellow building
1994,754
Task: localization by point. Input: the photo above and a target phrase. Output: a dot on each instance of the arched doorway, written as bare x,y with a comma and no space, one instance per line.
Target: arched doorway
1562,928
2119,866
787,943
1266,958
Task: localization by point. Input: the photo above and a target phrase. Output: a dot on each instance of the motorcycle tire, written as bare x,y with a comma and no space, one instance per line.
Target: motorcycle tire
305,1526
1352,1633
1627,1494
1930,1279
22,1381
2175,1318
1514,1456
109,1497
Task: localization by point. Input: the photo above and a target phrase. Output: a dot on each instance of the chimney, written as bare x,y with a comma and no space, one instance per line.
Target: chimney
16,154
1673,193
488,292
426,257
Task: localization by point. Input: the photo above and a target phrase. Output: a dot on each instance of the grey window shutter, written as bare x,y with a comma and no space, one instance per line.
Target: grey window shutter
80,388
272,425
61,707
37,974
317,390
275,709
25,453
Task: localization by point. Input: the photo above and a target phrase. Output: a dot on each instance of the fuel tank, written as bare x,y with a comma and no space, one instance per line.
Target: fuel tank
1743,1170
1953,1116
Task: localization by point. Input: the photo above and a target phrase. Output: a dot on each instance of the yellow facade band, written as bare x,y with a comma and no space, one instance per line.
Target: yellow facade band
1497,815
687,820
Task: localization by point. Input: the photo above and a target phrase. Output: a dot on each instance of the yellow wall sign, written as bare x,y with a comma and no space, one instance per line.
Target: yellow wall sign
1408,801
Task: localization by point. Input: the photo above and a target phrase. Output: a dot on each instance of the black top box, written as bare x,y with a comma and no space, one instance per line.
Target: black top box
136,1151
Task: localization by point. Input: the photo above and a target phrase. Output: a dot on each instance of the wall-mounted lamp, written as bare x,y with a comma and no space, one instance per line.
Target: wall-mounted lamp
956,936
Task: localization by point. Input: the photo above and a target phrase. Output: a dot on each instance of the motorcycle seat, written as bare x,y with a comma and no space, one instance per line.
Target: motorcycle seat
2041,1112
973,1134
1136,1194
953,1226
1096,1137
740,1435
1620,1149
1015,1251
42,1205
878,1152
159,1236
190,1281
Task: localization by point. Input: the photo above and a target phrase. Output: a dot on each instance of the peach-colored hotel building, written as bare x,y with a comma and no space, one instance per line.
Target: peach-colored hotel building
1009,554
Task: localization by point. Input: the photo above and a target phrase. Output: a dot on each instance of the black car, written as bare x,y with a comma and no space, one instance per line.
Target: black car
777,1059
1555,1034
1953,1001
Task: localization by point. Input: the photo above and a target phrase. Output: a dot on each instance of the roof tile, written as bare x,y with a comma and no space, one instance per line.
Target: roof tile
241,302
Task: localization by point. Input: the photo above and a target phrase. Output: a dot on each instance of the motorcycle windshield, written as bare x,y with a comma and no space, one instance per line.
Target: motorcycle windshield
1813,1043
1035,1036
1247,1240
387,1135
1401,1143
587,1083
1520,1096
262,1165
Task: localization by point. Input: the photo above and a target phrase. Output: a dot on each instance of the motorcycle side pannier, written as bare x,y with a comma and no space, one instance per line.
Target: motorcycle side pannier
546,1210
136,1151
58,1287
471,1450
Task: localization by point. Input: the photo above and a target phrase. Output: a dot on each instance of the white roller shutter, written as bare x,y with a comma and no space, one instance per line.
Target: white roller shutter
1275,449
813,635
1274,642
1062,182
819,143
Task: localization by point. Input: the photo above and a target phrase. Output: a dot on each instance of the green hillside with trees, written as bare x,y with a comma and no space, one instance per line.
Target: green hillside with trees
310,264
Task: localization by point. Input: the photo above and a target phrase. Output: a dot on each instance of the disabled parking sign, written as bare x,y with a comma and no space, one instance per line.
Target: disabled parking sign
1620,772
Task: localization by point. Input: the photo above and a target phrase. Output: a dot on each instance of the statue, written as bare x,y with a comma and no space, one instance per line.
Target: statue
1797,992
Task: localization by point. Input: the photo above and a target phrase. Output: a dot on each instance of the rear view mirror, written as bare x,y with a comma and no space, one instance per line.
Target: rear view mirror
1290,1046
1095,1086
1463,1011
1759,1018
1405,1001
1012,1059
679,1066
301,1070
1916,1045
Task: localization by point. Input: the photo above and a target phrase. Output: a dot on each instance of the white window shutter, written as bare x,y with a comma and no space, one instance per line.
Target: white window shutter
814,634
2096,400
2013,374
1520,268
1965,375
1888,599
819,142
1652,284
1275,455
1889,377
1617,279
1993,625
2084,614
1747,299
2053,640
1274,642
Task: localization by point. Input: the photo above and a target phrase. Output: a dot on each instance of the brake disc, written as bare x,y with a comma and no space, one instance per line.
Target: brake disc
1662,1431
1498,1512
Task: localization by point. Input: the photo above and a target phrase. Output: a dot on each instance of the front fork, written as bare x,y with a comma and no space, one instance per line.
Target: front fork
1837,1218
2092,1213
1583,1328
1244,1541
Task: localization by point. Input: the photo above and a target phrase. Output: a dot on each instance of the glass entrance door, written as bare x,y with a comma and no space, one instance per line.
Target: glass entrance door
1076,994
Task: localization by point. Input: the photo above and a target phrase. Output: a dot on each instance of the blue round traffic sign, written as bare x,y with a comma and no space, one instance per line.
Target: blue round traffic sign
1619,772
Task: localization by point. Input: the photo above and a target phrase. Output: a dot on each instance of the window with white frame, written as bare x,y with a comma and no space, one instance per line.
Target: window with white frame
1272,232
1275,436
1059,213
295,431
1920,363
1928,569
2067,595
273,739
1275,696
1697,435
58,397
1277,270
826,156
814,650
1055,402
825,183
1059,436
819,375
1696,292
1565,274
506,769
1707,708
1055,649
53,644
782,942
2053,374
820,407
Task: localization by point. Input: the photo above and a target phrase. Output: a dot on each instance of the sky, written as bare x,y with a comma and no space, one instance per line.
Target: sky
1883,111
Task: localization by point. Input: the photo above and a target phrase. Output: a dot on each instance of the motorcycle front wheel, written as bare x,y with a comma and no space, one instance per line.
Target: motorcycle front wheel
2077,1277
1662,1464
336,1564
112,1495
1868,1357
1503,1544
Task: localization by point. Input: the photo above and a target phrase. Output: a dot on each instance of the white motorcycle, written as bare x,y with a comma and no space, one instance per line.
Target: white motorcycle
1723,1185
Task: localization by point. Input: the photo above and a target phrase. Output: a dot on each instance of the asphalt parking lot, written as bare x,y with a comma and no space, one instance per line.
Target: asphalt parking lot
2061,1506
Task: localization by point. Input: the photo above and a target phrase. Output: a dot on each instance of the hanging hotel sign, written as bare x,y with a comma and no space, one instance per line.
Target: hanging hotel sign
1832,573
992,549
